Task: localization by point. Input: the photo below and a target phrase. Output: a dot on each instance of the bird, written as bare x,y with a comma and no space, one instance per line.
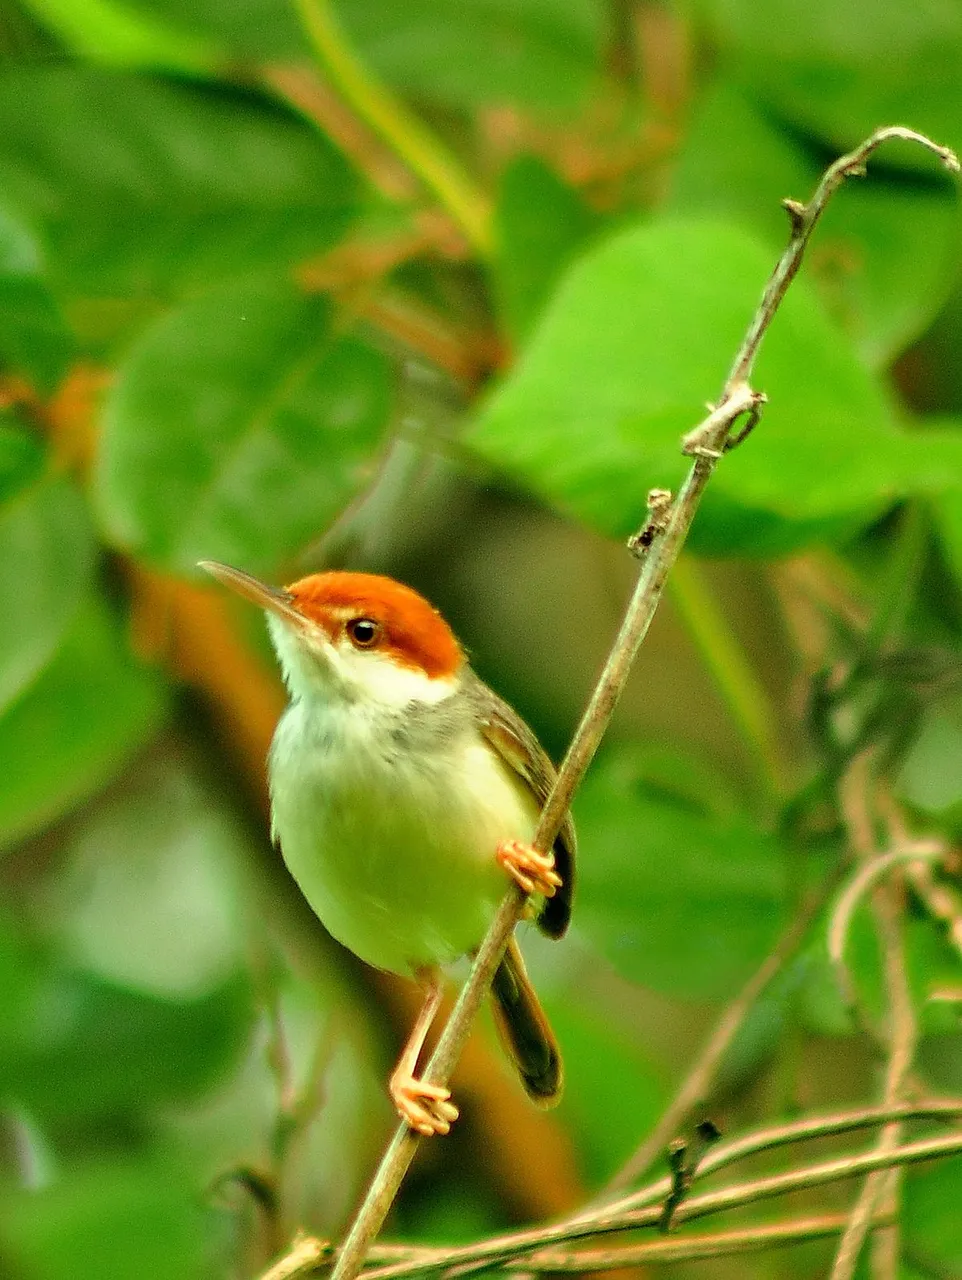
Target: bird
404,794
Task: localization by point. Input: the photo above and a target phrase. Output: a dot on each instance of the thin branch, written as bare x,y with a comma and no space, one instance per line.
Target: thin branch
306,1254
803,219
942,902
644,1207
696,1084
841,920
684,1157
903,1034
720,1244
859,794
808,1176
641,609
706,444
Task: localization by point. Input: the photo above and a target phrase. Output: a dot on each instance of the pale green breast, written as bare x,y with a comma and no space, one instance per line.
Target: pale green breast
396,853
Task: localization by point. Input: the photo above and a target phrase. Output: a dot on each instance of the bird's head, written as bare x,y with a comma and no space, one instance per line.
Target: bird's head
359,636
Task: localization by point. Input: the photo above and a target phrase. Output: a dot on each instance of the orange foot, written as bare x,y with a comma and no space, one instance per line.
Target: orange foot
425,1107
533,871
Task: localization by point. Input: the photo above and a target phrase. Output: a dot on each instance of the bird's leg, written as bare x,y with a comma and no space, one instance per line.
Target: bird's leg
425,1107
533,871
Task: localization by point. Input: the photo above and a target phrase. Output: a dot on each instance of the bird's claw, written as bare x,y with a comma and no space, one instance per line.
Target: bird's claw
532,870
425,1107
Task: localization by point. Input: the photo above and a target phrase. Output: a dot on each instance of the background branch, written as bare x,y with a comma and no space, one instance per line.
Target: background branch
644,1209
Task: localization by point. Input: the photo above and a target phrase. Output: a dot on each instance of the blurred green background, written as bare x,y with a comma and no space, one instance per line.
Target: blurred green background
433,288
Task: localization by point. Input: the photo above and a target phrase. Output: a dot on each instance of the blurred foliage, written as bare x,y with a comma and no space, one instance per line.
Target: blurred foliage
240,321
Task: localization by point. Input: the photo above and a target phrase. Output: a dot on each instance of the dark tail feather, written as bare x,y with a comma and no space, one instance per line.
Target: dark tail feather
524,1030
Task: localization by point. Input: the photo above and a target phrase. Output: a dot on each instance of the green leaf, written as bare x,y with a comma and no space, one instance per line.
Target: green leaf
117,35
931,964
92,1048
46,561
933,1224
883,256
682,900
238,427
948,516
122,1218
828,71
931,776
605,1076
543,54
640,332
185,185
34,339
82,1046
159,861
90,709
258,30
541,223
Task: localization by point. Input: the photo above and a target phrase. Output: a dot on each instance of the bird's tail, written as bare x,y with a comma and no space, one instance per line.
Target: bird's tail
525,1031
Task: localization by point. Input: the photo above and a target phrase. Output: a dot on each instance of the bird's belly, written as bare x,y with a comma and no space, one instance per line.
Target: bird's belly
397,857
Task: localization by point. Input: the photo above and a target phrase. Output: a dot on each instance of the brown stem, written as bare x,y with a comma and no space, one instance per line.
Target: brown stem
718,1244
858,796
643,1207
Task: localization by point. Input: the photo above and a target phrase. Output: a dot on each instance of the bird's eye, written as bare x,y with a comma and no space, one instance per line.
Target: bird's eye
364,632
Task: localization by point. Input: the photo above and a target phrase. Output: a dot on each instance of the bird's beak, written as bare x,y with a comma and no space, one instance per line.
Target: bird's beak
270,598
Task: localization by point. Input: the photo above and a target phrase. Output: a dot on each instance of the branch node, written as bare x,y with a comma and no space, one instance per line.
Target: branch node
659,509
759,398
711,438
796,211
683,1161
306,1254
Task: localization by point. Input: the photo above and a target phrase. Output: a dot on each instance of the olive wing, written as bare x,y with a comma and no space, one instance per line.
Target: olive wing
517,746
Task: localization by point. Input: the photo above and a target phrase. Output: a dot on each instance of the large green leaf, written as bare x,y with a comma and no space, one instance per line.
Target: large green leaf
143,185
117,1050
34,340
641,331
540,53
46,560
948,515
678,898
883,257
237,428
80,1045
161,860
835,69
75,727
605,1076
125,1218
120,35
541,224
933,1221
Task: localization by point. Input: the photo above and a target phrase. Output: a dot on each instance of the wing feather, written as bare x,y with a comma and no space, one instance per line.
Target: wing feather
521,751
